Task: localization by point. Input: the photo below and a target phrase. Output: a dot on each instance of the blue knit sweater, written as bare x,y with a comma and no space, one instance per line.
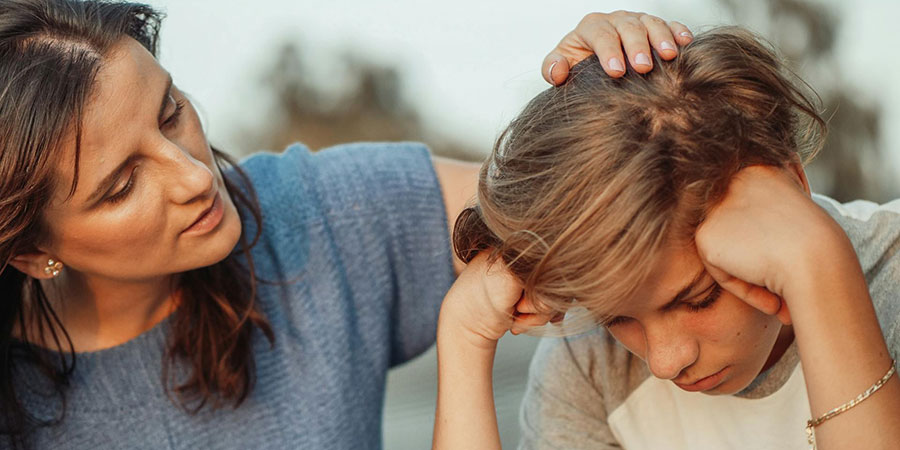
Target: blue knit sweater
360,232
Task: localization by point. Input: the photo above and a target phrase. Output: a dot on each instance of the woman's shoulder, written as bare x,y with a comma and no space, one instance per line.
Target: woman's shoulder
347,179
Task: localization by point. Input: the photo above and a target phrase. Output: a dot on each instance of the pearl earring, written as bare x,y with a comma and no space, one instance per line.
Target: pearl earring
53,267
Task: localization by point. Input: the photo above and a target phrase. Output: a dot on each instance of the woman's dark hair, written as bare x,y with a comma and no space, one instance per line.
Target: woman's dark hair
50,53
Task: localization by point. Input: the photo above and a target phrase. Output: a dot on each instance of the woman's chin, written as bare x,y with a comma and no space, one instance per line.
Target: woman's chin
230,234
218,244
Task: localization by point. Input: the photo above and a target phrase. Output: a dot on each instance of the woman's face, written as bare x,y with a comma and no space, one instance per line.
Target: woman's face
146,175
689,330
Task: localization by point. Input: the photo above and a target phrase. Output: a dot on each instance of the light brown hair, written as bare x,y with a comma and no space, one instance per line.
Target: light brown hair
586,185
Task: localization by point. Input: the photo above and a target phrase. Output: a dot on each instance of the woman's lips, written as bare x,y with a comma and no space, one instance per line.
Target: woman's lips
209,219
704,384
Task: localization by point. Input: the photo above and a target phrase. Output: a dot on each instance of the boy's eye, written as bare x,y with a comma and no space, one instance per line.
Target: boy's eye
715,291
618,320
708,301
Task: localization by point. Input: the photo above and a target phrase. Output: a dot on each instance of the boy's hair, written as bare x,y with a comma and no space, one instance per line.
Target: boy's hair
583,189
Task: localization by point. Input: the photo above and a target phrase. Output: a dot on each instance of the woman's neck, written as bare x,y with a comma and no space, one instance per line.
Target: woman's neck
100,313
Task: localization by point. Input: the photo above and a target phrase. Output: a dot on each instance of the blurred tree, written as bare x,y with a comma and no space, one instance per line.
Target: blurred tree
369,105
852,165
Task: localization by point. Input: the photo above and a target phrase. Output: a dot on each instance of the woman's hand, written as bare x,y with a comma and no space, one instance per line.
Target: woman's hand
606,34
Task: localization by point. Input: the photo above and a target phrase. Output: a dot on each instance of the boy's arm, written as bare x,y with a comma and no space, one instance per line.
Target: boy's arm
764,250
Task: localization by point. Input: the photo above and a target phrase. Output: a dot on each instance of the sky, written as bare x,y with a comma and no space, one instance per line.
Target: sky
469,65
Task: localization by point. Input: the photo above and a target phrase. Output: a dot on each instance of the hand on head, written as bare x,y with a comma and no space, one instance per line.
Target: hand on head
607,34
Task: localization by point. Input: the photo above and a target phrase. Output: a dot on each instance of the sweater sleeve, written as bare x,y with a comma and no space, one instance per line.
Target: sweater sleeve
387,220
563,408
365,228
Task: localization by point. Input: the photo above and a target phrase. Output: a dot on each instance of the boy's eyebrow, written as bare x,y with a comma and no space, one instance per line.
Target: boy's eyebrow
684,292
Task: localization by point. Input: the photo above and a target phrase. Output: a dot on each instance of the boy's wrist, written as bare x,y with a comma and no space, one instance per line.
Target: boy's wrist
828,259
453,329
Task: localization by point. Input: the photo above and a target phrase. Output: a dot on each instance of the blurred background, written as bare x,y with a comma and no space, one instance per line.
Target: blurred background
453,74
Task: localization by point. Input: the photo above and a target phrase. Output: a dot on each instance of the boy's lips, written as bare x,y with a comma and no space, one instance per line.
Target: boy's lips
705,383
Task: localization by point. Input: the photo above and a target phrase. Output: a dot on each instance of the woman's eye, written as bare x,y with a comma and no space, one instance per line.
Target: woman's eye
122,193
708,301
172,120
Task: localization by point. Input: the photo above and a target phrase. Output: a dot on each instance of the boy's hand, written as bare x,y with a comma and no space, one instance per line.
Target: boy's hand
767,239
485,302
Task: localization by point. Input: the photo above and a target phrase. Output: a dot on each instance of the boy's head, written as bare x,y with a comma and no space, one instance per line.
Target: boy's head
593,194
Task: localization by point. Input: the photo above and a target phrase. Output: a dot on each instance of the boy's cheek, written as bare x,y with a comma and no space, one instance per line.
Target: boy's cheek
631,337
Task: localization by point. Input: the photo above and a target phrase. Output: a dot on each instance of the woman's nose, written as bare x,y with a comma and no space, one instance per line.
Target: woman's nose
190,178
669,350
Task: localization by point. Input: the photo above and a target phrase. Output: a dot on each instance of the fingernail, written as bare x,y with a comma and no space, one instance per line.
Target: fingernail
550,71
616,65
686,34
666,45
642,59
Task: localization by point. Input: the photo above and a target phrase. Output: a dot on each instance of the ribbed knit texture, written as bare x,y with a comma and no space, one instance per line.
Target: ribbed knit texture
359,233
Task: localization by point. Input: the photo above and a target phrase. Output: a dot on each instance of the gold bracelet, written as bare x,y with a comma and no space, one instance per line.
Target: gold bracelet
810,424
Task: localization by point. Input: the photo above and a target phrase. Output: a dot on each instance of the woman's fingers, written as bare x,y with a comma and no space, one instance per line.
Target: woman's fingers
633,35
756,296
555,68
606,35
592,36
660,35
682,34
600,37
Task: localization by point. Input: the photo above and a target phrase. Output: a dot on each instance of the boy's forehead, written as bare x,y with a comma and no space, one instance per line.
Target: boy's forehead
675,268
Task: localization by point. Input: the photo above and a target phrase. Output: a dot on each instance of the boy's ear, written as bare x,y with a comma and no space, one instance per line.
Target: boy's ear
37,265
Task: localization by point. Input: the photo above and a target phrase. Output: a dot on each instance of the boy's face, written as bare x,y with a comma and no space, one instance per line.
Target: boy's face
694,333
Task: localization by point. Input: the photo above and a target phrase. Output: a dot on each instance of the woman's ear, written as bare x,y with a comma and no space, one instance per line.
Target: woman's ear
37,265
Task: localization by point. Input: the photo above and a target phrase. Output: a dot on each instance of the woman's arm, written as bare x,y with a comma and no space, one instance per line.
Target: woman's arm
768,241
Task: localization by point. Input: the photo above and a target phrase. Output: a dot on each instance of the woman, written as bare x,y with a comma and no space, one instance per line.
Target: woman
155,295
674,209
